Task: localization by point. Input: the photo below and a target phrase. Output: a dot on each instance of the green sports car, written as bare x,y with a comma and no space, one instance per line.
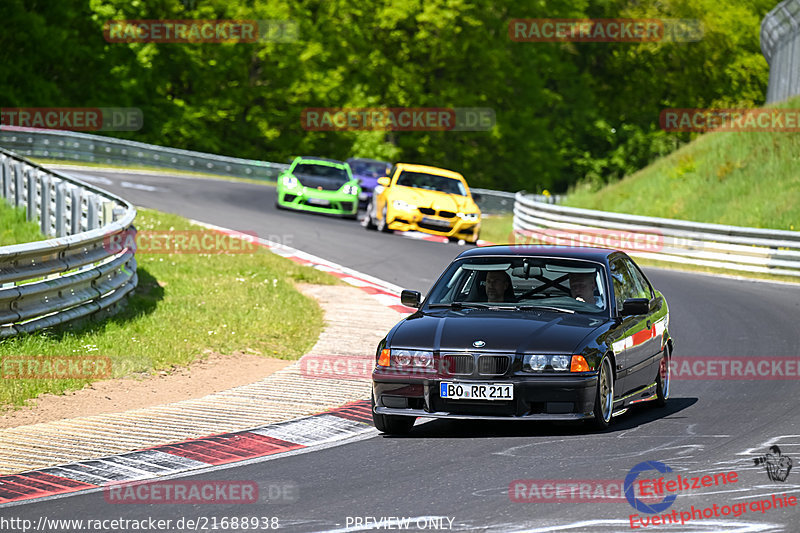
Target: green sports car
319,185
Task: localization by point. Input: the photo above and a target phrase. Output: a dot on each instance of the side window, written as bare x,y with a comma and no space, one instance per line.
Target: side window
641,286
622,282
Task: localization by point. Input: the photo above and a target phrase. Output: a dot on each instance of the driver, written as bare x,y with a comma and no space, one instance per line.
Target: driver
582,286
497,283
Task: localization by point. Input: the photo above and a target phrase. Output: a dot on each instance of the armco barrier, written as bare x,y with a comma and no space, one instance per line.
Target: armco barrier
679,241
86,148
71,275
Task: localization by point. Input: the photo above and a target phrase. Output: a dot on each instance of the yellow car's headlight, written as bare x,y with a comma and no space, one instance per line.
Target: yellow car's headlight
403,206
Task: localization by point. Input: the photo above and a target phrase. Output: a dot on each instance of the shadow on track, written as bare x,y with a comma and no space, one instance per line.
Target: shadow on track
490,429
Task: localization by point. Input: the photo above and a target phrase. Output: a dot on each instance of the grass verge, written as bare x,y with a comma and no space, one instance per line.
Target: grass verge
738,178
185,305
14,228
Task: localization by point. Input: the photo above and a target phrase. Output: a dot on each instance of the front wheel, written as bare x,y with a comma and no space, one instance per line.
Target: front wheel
662,380
392,425
604,396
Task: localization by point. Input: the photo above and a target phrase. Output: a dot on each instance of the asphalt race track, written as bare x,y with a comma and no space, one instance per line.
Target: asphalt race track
456,475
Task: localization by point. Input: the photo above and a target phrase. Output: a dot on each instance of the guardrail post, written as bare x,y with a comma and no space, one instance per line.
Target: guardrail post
31,207
4,187
93,213
44,218
108,213
19,189
61,209
76,211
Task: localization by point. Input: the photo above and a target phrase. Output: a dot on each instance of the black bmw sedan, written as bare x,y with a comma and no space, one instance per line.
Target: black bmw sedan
526,333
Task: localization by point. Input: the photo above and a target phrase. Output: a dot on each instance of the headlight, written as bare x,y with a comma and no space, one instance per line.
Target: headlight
558,363
350,189
405,206
468,217
412,359
290,182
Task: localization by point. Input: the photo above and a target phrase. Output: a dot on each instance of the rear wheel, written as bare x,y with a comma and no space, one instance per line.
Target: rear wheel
367,221
662,380
383,224
604,396
392,425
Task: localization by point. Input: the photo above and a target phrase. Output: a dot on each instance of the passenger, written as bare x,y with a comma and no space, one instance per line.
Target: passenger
498,287
582,286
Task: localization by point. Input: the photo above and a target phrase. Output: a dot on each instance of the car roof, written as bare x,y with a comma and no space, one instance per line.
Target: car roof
312,158
367,160
567,252
430,170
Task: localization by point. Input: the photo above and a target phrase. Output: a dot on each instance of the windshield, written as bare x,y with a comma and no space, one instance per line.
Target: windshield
371,169
432,182
565,284
321,171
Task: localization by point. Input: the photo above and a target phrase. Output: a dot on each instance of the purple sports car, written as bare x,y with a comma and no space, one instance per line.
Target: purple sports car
367,171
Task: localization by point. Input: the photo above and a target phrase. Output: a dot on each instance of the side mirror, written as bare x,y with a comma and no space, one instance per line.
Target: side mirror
635,306
476,197
410,298
384,181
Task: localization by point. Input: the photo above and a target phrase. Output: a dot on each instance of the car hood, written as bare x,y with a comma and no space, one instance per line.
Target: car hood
367,182
315,181
436,200
507,331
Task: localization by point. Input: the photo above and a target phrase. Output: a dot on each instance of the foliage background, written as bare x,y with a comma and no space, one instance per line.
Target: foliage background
566,112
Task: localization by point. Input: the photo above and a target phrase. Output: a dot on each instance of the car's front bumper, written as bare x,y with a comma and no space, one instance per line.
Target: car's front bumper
318,201
568,397
455,227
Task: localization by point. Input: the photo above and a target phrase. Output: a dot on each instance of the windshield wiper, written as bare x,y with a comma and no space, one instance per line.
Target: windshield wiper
461,305
546,307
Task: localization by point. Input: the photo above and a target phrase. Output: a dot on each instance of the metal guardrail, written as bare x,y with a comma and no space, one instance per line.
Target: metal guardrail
678,241
86,148
74,274
780,44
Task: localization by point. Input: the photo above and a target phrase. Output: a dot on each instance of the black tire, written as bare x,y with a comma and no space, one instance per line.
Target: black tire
604,396
663,380
367,221
383,225
392,425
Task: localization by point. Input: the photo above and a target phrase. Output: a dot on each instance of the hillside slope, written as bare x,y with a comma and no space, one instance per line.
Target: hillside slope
739,178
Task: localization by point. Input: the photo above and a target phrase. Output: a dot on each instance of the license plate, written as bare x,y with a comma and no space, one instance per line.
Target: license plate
436,222
318,201
475,391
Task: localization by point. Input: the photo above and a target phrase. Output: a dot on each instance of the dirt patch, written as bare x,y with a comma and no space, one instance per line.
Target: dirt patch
212,373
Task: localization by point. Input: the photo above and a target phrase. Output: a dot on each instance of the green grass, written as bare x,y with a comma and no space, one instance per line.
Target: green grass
738,178
14,229
496,228
150,168
186,305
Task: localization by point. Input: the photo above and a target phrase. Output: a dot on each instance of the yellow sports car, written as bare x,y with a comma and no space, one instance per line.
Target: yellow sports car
428,199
